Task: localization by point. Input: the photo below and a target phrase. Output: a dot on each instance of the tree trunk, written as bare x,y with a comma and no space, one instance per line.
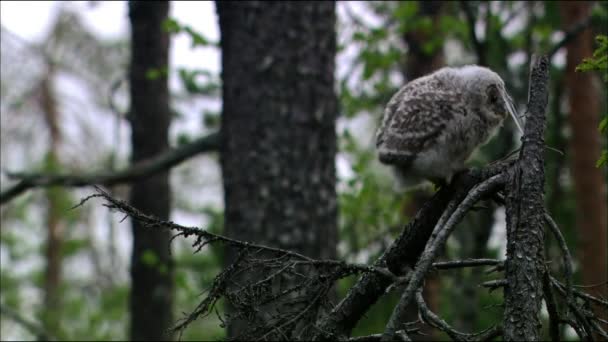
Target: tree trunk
151,264
278,142
524,267
585,147
55,224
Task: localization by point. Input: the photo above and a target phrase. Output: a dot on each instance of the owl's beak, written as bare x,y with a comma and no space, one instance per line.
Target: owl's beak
513,111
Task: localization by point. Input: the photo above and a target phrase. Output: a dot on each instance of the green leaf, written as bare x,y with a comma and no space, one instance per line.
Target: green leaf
359,37
197,38
171,25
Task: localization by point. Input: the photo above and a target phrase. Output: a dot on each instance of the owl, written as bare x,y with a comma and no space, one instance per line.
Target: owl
432,125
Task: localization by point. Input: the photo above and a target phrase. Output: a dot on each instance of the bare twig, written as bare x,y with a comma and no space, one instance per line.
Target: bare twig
431,318
140,170
494,284
567,257
554,317
466,263
578,293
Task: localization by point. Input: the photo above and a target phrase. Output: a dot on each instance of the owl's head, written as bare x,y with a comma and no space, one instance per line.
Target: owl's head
489,89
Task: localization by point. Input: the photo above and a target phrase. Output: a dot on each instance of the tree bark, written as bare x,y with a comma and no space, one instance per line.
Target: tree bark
278,141
55,224
585,149
151,264
524,267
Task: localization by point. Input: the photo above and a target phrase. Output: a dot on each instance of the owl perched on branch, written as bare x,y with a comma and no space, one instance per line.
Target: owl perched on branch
433,124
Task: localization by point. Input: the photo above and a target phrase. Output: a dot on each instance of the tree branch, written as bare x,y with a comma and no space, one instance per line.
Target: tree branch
569,35
524,267
552,310
466,263
447,223
137,171
431,318
478,45
402,254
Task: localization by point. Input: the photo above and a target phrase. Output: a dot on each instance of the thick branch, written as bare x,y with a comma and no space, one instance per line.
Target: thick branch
524,267
403,253
446,224
140,170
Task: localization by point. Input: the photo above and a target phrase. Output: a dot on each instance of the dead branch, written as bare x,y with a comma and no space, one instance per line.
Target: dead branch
433,319
465,263
137,171
401,255
445,226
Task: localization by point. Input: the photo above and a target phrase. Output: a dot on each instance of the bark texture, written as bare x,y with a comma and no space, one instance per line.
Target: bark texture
278,141
151,297
524,267
585,148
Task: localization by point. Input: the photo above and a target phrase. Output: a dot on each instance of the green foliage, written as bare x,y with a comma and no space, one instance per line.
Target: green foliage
171,25
599,61
209,86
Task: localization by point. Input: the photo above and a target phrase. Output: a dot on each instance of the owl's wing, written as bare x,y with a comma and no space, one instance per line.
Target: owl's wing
414,119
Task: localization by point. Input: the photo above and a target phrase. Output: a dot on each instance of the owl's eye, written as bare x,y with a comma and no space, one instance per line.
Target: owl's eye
493,95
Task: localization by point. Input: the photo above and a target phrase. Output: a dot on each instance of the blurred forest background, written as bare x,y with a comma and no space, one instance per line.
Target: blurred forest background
70,105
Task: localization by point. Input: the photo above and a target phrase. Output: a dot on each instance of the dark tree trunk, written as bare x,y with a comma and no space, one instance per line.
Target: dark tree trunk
278,141
151,264
524,267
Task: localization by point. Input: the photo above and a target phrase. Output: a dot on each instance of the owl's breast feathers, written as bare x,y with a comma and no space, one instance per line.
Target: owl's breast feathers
415,119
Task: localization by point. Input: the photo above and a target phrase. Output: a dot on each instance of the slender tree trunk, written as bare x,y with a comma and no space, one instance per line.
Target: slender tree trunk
585,147
151,264
55,225
278,126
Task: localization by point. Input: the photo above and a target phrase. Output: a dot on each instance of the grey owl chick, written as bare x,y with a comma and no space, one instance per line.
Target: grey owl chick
432,125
